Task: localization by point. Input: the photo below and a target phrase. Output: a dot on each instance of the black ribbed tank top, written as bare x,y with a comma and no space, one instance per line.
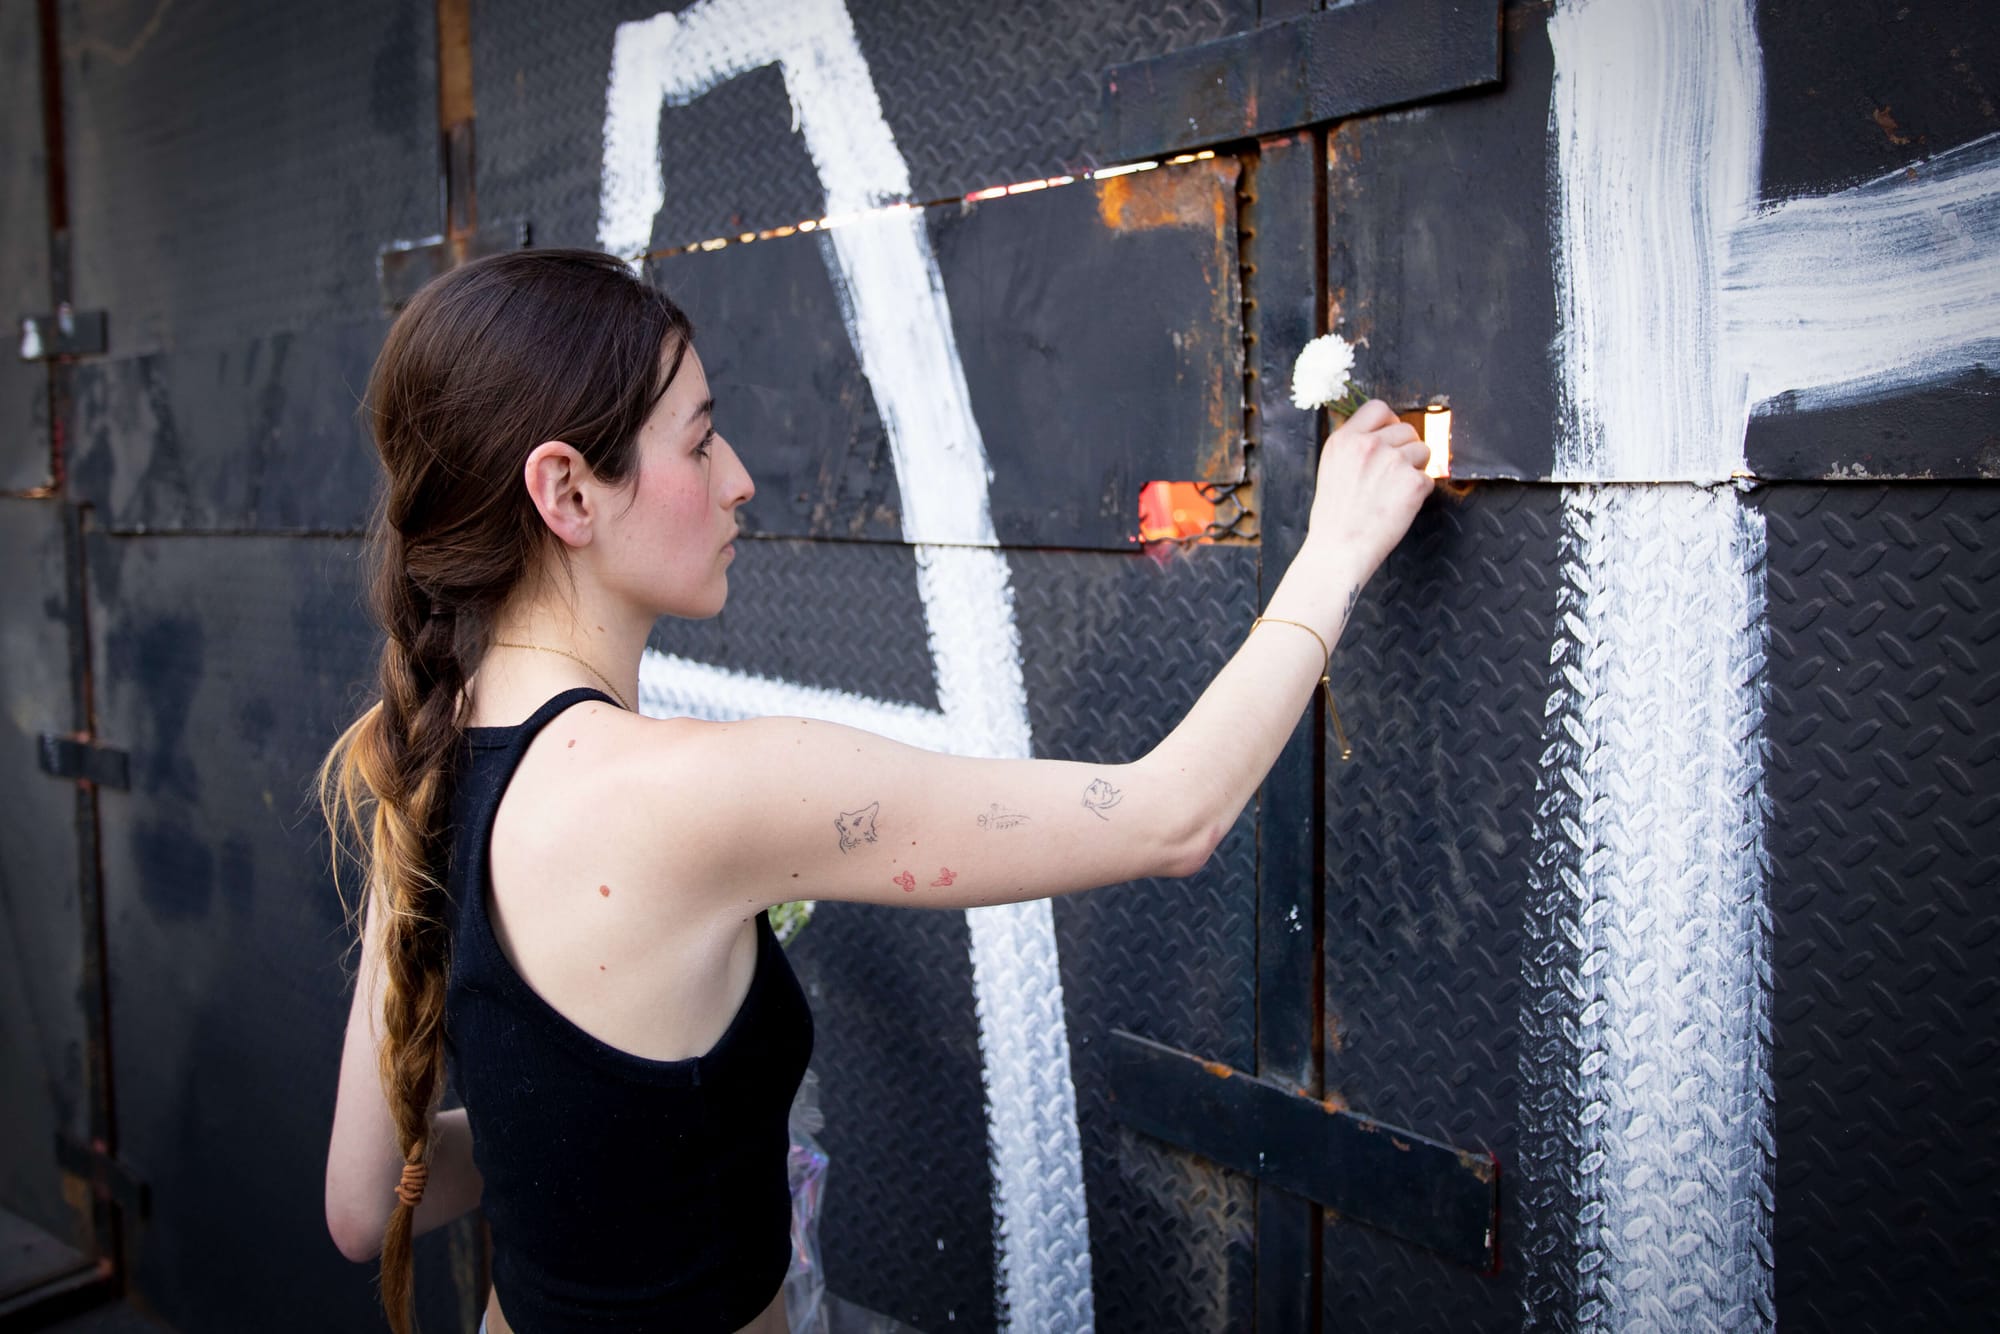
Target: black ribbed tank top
623,1193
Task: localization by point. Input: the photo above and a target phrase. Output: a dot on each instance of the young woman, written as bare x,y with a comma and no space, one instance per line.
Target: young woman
572,896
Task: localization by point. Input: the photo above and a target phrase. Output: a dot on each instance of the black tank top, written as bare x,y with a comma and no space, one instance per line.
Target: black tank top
623,1193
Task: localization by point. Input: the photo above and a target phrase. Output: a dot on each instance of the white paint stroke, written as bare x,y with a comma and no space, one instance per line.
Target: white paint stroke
1657,114
1871,289
893,305
1668,1062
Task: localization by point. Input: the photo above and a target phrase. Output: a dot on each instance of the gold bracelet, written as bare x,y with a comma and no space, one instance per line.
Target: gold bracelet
1339,732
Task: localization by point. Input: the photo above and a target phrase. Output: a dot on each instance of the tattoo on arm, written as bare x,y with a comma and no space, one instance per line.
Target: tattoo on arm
1353,597
945,876
857,827
1100,797
999,817
908,882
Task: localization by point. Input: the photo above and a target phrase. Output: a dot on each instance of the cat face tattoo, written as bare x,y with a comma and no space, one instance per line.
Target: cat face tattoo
857,827
1100,797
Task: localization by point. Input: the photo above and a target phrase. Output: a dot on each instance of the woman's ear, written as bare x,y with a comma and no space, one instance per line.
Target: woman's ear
559,482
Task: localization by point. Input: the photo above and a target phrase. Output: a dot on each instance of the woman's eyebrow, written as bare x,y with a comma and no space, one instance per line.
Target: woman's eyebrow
705,408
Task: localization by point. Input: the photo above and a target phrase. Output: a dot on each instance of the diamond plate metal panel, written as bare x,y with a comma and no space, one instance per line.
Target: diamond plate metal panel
24,248
975,94
1440,679
233,167
839,615
226,665
1884,656
1115,650
908,1226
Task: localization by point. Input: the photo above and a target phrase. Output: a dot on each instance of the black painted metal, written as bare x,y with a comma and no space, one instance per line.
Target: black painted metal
63,333
45,1040
1441,678
1448,290
1355,58
1114,648
1884,651
1097,325
1281,221
67,757
247,311
404,266
24,257
230,663
1422,1190
976,94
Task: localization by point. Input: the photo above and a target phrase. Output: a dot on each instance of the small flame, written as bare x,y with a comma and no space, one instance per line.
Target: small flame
1437,434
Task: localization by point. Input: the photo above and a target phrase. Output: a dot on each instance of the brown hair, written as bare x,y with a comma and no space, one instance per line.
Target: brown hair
487,361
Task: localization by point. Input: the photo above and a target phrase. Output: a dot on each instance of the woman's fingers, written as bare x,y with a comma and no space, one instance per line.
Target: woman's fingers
1370,416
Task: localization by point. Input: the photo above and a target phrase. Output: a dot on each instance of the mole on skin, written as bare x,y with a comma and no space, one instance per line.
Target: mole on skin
604,890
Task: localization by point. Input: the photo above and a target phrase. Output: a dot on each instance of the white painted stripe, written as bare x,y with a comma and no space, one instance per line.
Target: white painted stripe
1659,670
892,301
1657,115
1871,289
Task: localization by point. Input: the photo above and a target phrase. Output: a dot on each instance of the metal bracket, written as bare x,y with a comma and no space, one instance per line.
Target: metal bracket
108,1178
66,333
72,757
1318,67
402,267
1442,1198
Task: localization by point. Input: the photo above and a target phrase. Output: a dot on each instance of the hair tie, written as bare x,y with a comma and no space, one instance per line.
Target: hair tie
411,1188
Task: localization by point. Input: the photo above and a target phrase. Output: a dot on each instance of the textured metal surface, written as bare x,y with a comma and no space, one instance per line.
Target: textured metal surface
975,94
1884,649
43,1035
1283,75
260,435
1646,1096
1435,1195
1440,679
1115,650
1280,230
1439,258
1097,331
836,615
907,1228
226,665
24,246
325,119
245,311
1854,90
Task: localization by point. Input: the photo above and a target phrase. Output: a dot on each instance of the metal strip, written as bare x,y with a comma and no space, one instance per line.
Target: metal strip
1443,1198
1319,67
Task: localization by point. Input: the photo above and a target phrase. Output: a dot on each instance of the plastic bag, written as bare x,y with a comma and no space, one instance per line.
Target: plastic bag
805,1282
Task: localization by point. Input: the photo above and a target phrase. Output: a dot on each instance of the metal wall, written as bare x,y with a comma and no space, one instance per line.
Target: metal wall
1436,939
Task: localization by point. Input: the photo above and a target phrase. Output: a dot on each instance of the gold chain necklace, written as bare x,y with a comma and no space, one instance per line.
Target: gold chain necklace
565,653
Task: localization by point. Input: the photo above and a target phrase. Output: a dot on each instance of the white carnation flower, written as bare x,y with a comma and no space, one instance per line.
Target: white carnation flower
1321,375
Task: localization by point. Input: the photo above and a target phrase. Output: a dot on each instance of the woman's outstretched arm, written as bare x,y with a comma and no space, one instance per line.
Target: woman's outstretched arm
772,809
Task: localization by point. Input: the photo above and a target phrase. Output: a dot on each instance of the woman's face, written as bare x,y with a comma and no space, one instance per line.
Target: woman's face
670,549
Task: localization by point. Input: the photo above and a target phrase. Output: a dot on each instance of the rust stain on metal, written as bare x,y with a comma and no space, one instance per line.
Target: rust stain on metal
1183,196
1336,1036
1886,122
1481,1165
1399,1144
1218,1069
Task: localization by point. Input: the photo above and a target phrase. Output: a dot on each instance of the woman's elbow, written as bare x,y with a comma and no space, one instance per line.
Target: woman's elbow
359,1238
1190,852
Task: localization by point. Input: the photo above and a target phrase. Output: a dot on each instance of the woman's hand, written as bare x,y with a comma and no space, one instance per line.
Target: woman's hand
1371,484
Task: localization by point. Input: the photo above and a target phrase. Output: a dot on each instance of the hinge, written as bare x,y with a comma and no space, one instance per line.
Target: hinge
65,333
402,267
73,757
109,1178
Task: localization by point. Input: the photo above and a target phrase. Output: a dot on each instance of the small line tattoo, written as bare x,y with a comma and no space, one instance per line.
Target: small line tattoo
998,817
1100,797
857,827
908,882
945,877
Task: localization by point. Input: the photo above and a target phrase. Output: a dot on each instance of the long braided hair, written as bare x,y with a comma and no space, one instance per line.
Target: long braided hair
488,361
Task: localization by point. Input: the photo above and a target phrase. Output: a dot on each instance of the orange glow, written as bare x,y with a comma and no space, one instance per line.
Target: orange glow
1437,434
1174,512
